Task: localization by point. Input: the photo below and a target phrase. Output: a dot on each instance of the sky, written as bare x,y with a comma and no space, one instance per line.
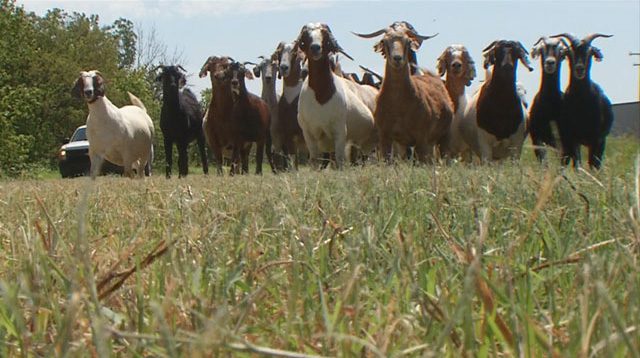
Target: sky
246,29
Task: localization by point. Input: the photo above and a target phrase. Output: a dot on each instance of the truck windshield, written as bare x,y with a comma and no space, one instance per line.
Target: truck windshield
79,134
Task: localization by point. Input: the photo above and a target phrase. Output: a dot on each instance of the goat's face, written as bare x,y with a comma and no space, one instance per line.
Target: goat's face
580,53
551,52
317,41
457,61
172,78
267,68
288,58
236,74
505,55
217,67
90,86
395,47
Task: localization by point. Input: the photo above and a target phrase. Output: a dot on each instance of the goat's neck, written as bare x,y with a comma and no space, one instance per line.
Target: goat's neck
294,77
577,84
170,96
503,80
550,83
321,79
455,87
269,91
397,79
221,93
102,106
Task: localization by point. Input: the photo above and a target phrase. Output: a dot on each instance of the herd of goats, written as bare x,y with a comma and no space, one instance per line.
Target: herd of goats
329,116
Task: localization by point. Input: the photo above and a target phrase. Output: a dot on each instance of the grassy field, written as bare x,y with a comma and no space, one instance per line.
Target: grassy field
514,259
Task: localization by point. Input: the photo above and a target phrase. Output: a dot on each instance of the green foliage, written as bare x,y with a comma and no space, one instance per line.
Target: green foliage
40,59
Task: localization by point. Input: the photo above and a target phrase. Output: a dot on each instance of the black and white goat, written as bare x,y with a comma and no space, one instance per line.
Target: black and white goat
546,108
587,114
180,119
495,119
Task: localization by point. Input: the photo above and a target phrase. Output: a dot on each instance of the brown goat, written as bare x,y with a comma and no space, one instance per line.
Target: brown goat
217,124
250,120
412,110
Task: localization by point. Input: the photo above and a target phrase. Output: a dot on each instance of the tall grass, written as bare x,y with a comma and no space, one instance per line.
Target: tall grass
515,258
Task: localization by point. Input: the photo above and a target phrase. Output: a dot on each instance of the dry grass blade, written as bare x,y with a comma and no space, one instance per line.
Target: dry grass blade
160,249
487,299
616,337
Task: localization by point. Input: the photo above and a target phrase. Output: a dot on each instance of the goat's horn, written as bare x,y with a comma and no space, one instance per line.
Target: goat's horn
568,36
182,68
371,35
594,36
261,57
490,46
345,54
156,68
371,72
249,63
537,42
422,37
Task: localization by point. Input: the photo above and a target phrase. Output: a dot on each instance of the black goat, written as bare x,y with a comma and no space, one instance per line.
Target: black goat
587,115
180,119
547,104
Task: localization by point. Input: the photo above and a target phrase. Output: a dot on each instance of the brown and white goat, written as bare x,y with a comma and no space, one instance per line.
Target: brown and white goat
290,66
587,115
456,63
333,112
412,110
494,124
123,136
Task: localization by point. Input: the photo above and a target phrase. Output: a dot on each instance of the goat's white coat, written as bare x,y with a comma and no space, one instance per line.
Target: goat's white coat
346,119
123,136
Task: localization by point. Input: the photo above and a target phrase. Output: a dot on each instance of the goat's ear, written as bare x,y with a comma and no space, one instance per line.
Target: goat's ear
256,71
535,51
415,44
159,77
441,63
489,58
76,91
597,54
379,47
248,75
471,72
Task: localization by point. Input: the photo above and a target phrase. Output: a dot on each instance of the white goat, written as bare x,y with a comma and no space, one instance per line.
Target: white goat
332,111
123,136
456,63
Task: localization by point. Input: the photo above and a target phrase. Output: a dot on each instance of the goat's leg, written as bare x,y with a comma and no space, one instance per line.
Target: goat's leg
259,156
183,159
386,148
244,157
203,153
96,165
596,153
168,154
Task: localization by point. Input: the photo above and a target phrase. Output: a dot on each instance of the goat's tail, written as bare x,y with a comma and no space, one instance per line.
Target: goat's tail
136,101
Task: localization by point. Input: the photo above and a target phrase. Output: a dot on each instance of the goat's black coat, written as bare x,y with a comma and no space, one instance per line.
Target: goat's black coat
546,109
180,120
587,119
587,115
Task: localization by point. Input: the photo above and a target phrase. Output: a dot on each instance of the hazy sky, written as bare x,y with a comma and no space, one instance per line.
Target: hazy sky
247,29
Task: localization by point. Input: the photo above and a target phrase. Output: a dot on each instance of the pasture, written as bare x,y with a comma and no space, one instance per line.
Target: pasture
513,259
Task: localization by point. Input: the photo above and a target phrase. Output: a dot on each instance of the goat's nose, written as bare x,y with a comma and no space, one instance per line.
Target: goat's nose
88,93
284,68
456,65
397,58
315,48
234,82
550,61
